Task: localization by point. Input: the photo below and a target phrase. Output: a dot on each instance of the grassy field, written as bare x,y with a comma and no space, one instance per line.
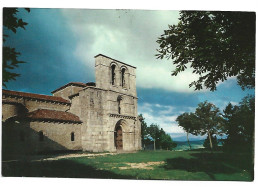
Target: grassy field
162,165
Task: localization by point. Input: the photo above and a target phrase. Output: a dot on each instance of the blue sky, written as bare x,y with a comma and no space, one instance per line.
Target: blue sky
59,46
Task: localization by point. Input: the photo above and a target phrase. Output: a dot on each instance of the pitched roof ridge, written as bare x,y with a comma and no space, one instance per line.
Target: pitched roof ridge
114,60
68,84
35,96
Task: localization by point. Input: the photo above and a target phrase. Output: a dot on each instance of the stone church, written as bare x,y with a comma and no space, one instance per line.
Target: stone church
94,117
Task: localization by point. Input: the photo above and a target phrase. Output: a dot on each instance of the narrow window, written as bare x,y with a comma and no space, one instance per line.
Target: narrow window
72,136
22,136
123,77
119,99
119,108
41,136
113,67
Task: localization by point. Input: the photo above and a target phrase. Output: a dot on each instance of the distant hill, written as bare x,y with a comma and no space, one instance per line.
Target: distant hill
183,145
195,144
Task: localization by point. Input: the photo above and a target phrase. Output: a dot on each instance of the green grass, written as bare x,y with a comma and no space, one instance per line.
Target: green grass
185,165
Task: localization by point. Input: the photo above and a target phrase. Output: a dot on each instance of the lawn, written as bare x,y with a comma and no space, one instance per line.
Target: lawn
162,165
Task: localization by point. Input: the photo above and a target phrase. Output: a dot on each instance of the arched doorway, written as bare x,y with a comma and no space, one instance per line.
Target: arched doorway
118,137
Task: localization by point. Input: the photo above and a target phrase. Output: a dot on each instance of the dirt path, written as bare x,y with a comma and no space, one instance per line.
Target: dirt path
37,158
147,165
76,156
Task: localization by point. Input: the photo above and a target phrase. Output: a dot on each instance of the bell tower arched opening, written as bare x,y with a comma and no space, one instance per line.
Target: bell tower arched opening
113,74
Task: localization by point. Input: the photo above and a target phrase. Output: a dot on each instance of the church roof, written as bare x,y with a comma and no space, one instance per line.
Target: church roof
35,96
80,84
53,115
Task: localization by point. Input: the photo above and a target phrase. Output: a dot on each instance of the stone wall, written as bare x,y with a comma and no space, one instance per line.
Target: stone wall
91,101
10,110
67,91
22,138
100,109
57,136
103,75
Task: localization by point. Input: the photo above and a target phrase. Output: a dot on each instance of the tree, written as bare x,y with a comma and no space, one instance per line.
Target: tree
239,125
144,133
217,45
165,141
214,139
210,120
10,55
161,140
190,124
153,131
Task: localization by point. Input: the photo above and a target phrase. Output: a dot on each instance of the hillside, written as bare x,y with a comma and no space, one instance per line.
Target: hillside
183,145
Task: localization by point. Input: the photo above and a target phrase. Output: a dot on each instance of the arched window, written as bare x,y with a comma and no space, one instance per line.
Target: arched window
41,138
72,136
119,107
113,74
119,99
123,77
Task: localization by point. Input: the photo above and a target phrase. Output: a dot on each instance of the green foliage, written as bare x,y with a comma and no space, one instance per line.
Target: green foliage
210,118
239,125
217,45
153,131
207,119
190,123
10,55
214,140
144,134
165,141
159,137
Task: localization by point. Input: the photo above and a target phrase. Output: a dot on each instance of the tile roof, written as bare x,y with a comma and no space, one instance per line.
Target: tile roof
53,115
80,84
35,96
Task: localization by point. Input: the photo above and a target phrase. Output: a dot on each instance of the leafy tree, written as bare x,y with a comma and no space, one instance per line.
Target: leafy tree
214,139
217,45
10,61
144,133
165,141
190,123
210,120
154,133
161,140
239,125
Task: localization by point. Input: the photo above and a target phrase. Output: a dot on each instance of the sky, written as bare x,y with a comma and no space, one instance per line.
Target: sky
59,46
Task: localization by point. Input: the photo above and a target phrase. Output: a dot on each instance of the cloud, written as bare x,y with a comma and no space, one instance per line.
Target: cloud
163,115
45,45
129,36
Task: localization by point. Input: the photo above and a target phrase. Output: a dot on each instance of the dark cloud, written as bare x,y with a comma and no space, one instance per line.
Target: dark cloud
169,98
47,48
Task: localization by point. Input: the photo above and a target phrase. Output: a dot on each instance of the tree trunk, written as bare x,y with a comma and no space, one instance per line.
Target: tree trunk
210,141
154,145
188,139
